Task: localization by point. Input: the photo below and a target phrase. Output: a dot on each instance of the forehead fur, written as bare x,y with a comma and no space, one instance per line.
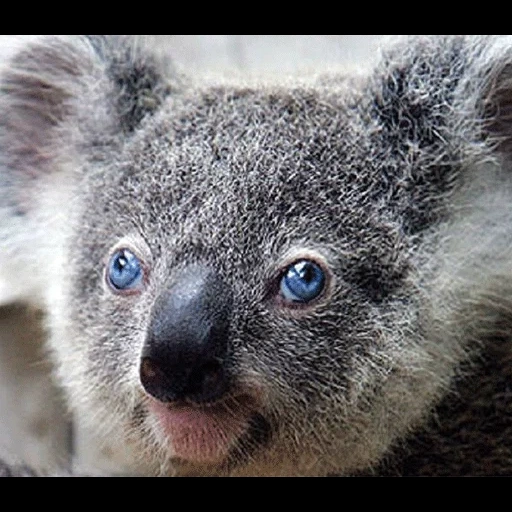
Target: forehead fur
235,156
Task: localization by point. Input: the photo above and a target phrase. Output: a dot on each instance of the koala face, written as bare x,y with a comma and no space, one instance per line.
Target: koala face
243,310
255,278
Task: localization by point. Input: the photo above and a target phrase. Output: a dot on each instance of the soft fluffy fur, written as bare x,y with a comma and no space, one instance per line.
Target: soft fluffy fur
397,181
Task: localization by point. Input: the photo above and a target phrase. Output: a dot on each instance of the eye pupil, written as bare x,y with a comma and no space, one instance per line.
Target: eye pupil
303,281
308,273
122,263
124,270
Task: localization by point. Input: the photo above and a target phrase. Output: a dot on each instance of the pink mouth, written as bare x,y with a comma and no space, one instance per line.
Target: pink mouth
204,434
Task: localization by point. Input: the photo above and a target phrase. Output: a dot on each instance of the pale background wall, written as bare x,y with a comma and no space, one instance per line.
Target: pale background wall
32,419
281,53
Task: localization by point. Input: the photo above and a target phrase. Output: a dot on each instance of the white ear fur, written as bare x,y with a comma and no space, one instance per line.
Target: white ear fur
37,90
103,85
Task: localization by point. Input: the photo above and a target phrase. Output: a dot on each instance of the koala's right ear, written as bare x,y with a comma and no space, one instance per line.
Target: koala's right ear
486,91
87,92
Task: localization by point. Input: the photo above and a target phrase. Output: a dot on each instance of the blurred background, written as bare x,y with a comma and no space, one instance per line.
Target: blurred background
257,53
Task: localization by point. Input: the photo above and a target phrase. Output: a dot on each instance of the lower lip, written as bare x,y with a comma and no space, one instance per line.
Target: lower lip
204,434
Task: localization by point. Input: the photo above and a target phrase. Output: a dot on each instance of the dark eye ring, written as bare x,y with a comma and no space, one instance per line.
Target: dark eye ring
124,271
303,281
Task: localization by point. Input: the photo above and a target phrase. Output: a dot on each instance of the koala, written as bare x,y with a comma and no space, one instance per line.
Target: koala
269,276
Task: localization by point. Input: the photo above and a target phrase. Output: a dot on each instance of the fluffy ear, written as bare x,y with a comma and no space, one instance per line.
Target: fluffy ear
63,92
440,103
431,88
490,84
140,76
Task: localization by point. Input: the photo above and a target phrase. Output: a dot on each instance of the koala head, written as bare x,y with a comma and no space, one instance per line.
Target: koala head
239,275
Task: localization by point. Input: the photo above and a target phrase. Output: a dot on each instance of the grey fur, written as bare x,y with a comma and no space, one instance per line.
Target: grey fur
396,181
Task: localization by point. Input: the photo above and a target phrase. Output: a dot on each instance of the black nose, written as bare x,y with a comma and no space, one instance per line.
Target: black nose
186,346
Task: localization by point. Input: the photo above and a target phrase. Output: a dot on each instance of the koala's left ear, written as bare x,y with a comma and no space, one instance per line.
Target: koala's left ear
141,77
63,95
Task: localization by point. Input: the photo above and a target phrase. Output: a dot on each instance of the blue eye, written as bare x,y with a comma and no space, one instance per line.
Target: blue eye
302,282
124,270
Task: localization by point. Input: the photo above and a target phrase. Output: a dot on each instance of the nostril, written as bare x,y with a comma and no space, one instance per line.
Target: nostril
154,380
202,384
207,382
148,371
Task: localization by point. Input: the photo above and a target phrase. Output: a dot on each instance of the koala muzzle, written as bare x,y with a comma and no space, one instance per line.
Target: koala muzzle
184,354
